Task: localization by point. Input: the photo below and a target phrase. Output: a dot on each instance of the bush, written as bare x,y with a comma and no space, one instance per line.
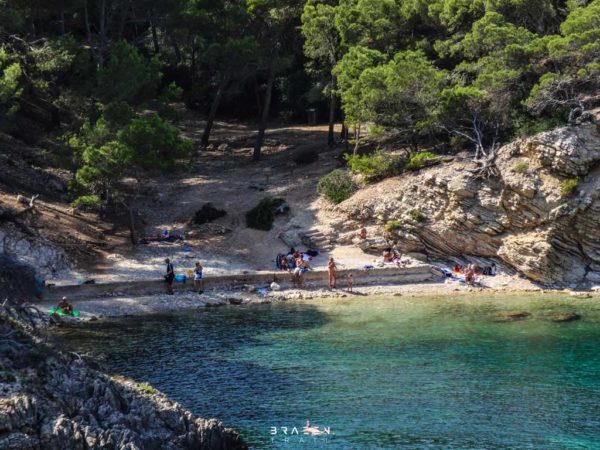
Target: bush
155,143
261,217
376,166
393,225
417,216
422,159
521,167
147,388
306,156
336,186
568,186
208,213
87,201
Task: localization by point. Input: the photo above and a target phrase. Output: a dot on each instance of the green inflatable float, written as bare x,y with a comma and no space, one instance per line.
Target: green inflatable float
60,312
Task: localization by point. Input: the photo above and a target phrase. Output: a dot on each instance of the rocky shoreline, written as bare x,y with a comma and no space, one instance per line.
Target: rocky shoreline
52,399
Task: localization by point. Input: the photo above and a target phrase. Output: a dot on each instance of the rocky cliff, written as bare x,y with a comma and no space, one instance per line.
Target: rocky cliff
524,217
51,400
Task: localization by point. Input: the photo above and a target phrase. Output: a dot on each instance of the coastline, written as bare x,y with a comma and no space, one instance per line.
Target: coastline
185,299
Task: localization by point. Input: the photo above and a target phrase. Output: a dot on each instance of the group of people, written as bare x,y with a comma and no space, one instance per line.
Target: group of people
471,271
197,276
295,262
392,256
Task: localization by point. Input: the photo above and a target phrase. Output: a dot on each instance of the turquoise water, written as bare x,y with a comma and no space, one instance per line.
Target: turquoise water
428,372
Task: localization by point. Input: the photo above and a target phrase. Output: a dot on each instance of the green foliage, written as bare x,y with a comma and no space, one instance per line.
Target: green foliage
103,166
521,167
155,143
417,216
393,226
147,388
568,186
128,76
208,213
306,156
262,216
87,202
336,186
421,160
375,166
10,88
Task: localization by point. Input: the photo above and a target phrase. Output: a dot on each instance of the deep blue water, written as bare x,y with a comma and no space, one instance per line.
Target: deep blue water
390,373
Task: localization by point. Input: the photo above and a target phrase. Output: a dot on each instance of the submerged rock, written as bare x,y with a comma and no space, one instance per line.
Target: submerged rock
510,316
565,316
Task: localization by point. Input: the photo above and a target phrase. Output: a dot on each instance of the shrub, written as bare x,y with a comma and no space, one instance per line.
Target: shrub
306,156
155,143
568,186
422,159
417,216
393,225
336,186
87,201
521,167
376,166
147,388
261,217
208,213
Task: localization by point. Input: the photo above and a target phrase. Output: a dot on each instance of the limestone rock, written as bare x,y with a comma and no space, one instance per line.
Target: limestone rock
518,217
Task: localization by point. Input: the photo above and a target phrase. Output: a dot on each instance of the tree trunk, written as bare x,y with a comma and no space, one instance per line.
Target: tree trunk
154,38
330,135
356,138
265,115
213,110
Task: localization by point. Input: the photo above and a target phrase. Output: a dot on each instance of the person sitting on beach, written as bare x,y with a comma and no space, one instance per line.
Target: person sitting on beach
169,276
362,234
65,306
198,278
332,270
301,267
470,274
387,255
283,263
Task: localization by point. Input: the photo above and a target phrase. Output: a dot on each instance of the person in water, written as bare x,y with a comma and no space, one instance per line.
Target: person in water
198,278
169,276
65,306
332,270
350,281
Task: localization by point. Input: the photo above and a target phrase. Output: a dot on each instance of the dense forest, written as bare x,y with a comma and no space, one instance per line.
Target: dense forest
100,77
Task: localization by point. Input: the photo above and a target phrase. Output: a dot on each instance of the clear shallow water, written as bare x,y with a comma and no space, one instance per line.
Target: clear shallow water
381,373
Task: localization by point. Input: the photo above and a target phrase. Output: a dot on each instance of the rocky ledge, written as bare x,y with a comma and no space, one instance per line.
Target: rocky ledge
54,400
539,215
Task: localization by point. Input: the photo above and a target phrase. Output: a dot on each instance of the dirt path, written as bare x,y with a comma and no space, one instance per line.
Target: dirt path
226,176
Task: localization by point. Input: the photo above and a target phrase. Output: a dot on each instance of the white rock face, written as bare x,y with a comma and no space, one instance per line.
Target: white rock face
519,217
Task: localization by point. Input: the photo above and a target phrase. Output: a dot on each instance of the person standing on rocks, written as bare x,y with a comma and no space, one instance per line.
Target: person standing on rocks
169,276
198,278
332,270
